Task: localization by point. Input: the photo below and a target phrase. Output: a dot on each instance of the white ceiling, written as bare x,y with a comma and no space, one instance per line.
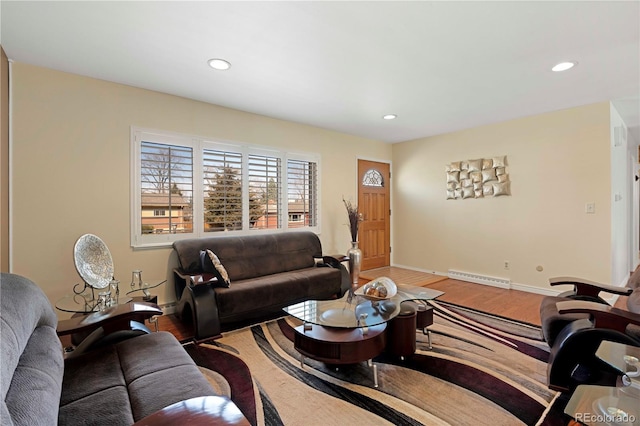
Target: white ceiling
440,66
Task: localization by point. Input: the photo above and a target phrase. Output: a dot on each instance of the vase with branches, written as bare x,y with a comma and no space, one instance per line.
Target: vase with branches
354,253
354,218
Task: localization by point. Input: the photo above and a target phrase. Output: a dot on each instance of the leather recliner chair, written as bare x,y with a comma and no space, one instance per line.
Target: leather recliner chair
553,322
573,360
574,324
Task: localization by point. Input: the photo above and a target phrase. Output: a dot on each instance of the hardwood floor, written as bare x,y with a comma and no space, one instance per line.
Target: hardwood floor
400,275
514,304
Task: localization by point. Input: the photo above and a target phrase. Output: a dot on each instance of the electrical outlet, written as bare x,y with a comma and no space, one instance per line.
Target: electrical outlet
506,264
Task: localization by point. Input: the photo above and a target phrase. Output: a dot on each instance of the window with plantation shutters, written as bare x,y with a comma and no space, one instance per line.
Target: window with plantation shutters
185,187
166,188
265,193
302,193
222,190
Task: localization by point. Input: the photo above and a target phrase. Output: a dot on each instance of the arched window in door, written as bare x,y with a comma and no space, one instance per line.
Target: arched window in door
372,177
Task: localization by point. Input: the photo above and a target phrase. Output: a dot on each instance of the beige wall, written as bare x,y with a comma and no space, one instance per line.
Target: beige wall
71,145
4,161
558,162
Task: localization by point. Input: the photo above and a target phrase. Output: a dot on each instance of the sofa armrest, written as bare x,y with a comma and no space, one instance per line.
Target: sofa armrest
205,410
589,288
203,278
334,260
604,316
194,279
339,257
112,319
183,280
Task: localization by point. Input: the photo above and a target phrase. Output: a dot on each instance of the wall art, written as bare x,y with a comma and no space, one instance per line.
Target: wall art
482,177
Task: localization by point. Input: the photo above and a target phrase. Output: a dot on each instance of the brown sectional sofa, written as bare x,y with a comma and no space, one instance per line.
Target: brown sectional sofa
267,272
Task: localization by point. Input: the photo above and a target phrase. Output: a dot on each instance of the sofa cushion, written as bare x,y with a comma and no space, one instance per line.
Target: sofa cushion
110,406
134,369
552,321
253,255
273,292
31,354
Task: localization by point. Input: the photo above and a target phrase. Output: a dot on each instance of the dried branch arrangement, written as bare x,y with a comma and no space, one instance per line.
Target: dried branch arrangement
354,218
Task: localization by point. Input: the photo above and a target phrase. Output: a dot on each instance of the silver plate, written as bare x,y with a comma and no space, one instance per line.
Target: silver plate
93,261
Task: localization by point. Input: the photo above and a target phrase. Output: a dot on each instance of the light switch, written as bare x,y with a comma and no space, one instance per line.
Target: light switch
590,208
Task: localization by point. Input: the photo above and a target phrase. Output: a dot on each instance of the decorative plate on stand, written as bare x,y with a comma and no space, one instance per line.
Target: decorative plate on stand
93,261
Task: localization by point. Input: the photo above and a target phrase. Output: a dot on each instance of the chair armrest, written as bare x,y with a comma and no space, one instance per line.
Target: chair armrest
589,288
604,316
204,410
112,319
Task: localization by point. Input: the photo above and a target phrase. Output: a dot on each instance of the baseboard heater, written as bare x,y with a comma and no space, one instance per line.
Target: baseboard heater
169,308
479,279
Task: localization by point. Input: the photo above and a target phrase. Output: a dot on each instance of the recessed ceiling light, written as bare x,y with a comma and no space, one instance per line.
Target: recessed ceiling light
389,116
563,66
219,64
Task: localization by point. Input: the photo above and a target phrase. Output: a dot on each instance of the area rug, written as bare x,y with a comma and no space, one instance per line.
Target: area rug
481,370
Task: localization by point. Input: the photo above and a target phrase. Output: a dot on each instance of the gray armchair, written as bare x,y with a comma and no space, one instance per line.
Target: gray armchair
117,380
32,364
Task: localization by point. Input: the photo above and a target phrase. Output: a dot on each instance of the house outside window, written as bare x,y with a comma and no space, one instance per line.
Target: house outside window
186,187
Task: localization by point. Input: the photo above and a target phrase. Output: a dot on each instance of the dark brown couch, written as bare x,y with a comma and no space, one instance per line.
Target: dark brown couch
267,273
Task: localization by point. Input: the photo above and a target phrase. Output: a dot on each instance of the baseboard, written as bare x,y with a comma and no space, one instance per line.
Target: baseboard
500,282
480,279
503,282
426,271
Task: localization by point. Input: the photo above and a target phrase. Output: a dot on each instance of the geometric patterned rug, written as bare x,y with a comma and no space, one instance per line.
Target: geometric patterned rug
482,370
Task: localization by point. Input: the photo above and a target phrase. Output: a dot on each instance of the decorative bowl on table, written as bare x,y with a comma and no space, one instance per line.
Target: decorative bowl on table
93,261
382,288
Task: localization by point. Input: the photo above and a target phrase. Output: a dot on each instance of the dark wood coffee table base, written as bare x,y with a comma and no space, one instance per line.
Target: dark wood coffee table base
341,345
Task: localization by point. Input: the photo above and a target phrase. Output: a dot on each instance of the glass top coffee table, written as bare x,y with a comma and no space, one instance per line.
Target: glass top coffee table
351,329
352,311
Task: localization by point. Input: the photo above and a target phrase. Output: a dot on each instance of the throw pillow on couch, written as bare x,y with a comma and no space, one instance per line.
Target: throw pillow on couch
210,263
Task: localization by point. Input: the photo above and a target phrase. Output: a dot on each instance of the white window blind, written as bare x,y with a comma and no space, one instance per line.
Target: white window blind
302,193
265,192
222,195
166,186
